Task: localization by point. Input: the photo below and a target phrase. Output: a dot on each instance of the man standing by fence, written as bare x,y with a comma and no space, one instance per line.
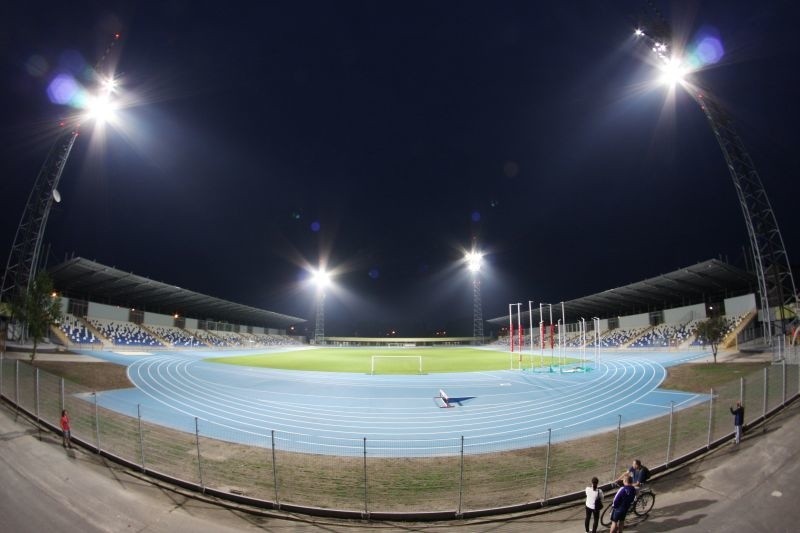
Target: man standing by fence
738,421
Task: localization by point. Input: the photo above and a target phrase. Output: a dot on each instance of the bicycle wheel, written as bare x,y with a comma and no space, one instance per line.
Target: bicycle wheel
605,517
644,504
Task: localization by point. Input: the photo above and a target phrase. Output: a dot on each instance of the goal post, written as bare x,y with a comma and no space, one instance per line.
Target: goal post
397,367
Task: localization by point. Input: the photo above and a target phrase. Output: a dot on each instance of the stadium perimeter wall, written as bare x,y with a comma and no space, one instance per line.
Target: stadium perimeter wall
112,312
457,478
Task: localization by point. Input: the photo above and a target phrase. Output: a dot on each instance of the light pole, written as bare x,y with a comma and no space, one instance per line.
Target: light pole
321,281
24,257
474,261
776,284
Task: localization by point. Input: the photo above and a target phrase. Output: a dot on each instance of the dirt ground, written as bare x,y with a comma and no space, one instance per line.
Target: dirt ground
96,376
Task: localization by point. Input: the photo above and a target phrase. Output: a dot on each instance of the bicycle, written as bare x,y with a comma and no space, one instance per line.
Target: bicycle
642,504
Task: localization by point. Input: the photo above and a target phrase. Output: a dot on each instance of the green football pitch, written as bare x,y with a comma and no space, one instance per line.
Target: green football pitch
361,360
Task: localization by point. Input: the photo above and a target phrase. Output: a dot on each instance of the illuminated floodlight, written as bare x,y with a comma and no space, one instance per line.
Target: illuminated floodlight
672,72
100,109
474,261
638,32
320,278
109,84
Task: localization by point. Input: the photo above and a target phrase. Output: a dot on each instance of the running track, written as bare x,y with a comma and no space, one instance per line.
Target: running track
320,412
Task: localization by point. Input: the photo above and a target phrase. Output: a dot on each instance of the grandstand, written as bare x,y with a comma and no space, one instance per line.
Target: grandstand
657,313
106,307
660,313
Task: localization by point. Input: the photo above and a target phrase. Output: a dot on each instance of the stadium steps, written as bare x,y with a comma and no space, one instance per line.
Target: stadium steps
97,334
730,339
201,344
155,335
637,337
56,332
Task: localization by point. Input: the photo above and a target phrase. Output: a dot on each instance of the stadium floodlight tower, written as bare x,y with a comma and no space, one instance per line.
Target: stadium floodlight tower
321,280
776,285
474,261
24,257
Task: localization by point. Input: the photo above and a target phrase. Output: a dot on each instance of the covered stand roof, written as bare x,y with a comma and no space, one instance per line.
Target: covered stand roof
708,281
81,278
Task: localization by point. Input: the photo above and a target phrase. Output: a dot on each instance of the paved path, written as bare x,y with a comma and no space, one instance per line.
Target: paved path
43,487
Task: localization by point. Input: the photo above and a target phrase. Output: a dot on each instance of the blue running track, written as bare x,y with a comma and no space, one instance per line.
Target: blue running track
323,412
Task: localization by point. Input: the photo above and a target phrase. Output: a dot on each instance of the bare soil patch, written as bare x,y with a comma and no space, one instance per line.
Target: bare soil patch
700,377
95,376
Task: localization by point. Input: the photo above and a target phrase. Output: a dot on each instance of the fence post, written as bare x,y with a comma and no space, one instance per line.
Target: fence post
710,418
141,436
669,436
199,457
366,493
741,390
96,422
36,394
616,450
783,378
547,464
461,480
16,383
766,384
274,470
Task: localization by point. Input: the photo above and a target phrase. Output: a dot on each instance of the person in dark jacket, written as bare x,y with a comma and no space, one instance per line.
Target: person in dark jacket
738,421
622,502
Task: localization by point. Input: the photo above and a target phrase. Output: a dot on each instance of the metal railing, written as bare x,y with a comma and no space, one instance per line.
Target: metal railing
448,478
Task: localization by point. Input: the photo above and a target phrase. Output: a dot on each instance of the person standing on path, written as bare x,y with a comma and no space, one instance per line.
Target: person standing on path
738,421
594,502
65,430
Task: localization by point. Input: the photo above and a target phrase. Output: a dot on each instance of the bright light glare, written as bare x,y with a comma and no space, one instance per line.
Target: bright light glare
110,84
474,260
672,72
320,278
638,32
100,109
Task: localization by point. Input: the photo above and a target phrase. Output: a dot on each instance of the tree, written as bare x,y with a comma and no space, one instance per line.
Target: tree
38,309
712,332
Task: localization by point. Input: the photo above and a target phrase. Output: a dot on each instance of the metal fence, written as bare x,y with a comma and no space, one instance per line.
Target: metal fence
453,478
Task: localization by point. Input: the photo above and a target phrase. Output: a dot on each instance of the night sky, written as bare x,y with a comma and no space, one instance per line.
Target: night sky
386,136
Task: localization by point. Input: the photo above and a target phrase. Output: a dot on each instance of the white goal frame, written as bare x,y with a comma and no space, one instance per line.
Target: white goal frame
372,363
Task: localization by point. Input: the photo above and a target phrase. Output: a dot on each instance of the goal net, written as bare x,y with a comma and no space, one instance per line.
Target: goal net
396,364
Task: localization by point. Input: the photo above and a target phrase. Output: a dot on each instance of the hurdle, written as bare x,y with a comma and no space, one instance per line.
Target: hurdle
443,398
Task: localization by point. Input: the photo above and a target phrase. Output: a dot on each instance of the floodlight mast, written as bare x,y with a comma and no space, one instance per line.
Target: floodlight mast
474,262
776,284
24,258
321,280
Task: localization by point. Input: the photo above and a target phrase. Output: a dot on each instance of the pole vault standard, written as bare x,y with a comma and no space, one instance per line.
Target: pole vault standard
542,332
510,329
521,341
583,341
596,321
564,335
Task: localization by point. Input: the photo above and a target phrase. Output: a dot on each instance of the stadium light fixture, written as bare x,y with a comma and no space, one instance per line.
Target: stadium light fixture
101,109
320,278
672,72
474,260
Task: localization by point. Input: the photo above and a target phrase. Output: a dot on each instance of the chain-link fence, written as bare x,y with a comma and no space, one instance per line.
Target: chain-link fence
394,479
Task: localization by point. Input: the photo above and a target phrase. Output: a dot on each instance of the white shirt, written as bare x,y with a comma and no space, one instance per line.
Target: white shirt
591,496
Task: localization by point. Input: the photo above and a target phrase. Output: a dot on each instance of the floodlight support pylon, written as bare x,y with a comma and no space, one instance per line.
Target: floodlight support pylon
776,284
23,259
319,324
477,309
